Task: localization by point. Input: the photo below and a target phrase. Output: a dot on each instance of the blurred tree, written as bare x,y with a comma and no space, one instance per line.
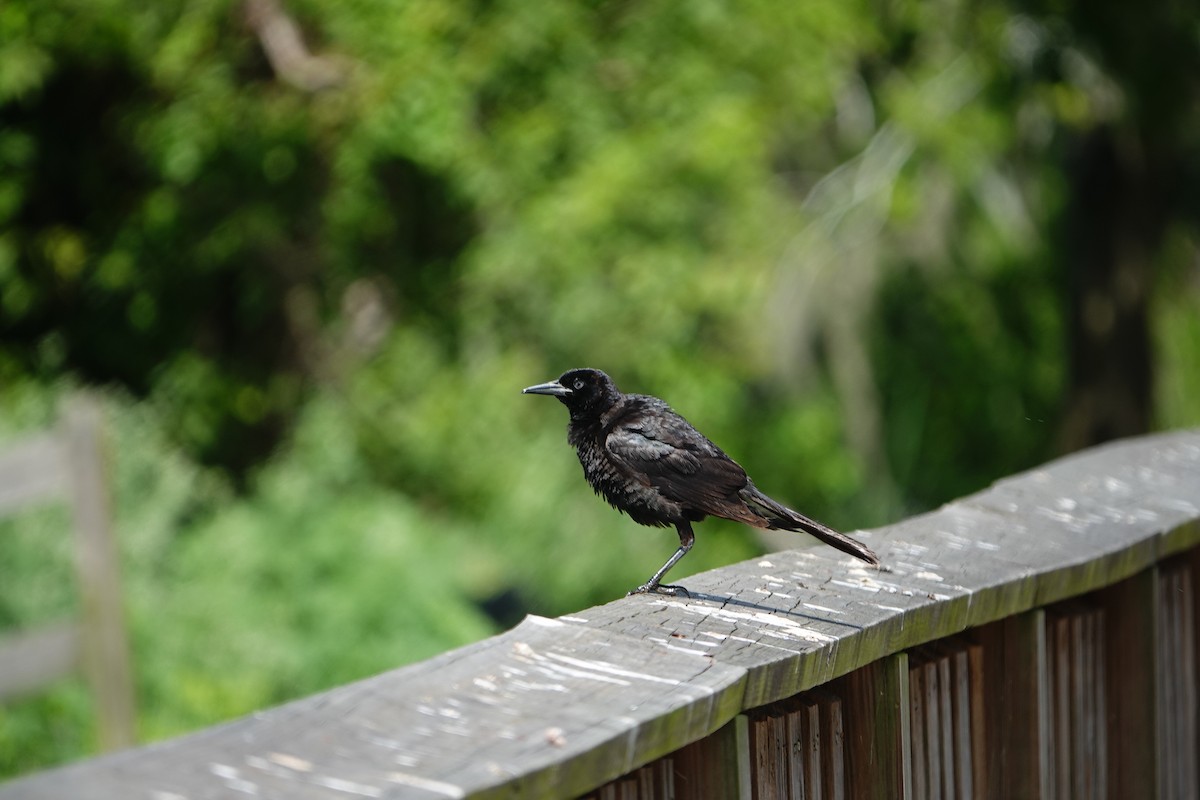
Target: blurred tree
1131,158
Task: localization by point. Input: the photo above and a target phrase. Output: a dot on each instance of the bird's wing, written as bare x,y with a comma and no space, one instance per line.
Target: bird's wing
664,451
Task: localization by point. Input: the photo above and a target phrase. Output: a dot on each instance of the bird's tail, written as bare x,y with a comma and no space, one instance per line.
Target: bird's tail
779,516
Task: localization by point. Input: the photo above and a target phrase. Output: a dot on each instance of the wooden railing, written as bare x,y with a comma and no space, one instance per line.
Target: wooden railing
1037,639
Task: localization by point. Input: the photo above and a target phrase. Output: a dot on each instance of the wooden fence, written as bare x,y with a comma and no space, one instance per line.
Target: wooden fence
68,464
1037,639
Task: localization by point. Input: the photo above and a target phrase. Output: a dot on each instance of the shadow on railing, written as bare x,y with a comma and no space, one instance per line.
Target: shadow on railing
1037,639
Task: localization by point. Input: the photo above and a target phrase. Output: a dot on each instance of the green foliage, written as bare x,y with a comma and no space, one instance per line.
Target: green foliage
316,578
828,233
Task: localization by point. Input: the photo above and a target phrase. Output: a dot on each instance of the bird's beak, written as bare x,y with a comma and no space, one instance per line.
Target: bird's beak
553,387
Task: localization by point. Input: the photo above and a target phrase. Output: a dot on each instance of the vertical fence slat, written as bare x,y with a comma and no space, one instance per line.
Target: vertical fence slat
1015,717
1176,657
1101,701
975,662
768,755
797,753
933,727
876,717
834,733
1189,733
920,760
665,778
710,767
1094,702
1058,660
945,691
963,744
813,777
1080,722
1131,612
1167,740
1075,666
1193,633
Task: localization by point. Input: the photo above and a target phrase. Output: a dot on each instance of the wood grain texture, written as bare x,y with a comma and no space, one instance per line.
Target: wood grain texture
1074,661
1016,718
801,762
559,708
540,711
1176,656
876,718
1132,630
710,767
833,733
769,752
945,719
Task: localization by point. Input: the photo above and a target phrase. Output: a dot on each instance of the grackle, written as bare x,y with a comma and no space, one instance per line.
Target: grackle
650,463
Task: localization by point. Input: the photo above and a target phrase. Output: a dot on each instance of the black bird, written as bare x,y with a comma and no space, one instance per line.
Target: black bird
650,463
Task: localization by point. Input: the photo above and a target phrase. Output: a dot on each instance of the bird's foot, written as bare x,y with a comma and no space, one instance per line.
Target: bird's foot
659,588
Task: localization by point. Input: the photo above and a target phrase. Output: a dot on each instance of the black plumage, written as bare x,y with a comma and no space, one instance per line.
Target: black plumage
650,463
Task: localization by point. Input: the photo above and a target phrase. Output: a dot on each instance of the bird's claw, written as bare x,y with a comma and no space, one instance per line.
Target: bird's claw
660,588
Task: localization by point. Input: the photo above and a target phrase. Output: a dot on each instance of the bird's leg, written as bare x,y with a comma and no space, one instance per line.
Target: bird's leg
686,540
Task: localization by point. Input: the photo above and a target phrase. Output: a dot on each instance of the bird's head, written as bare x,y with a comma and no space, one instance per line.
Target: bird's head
583,391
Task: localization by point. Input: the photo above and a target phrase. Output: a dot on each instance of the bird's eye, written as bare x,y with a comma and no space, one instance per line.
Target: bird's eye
578,383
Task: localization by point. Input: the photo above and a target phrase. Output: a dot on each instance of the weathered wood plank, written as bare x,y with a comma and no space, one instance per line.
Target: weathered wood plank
1189,703
1176,656
1073,659
978,736
917,723
541,711
1084,658
1101,699
833,733
797,752
765,629
1132,621
1165,686
803,755
948,658
933,728
876,720
655,781
1059,672
769,755
708,767
964,745
946,717
813,762
1016,725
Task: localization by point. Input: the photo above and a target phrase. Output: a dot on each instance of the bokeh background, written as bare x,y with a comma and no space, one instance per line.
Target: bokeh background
308,253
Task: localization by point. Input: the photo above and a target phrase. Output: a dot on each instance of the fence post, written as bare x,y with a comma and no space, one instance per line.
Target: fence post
105,646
